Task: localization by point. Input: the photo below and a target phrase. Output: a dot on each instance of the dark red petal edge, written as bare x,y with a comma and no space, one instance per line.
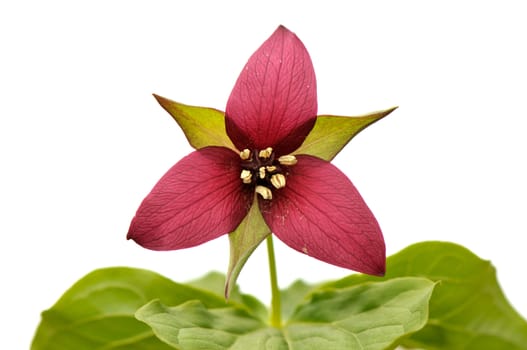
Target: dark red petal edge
274,100
321,214
198,199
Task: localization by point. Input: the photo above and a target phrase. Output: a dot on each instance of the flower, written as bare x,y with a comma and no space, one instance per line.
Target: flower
306,201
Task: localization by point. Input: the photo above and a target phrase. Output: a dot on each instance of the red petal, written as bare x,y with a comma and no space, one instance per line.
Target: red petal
274,101
198,199
321,214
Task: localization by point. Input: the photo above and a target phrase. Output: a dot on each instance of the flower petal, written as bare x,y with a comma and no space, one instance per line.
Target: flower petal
198,199
321,214
274,100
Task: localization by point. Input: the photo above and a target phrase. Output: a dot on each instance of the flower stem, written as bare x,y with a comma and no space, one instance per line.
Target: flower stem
276,312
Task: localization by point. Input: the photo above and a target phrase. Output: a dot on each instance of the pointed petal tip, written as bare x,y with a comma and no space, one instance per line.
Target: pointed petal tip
282,28
130,234
135,234
379,270
369,265
374,263
371,268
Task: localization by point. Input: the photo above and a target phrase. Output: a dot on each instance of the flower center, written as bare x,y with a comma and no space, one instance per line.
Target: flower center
261,169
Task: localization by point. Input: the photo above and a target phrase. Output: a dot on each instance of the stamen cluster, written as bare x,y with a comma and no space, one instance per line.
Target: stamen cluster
260,168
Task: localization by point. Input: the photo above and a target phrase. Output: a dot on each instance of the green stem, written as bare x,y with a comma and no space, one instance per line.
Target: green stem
276,312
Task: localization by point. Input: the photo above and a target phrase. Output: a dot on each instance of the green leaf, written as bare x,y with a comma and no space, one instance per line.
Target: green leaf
201,125
98,311
193,326
370,316
468,309
297,292
215,283
331,133
367,316
243,241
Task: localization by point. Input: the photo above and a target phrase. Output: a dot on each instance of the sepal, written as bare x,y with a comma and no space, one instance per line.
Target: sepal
331,133
202,126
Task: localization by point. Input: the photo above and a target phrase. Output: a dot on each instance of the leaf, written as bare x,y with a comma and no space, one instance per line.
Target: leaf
98,311
215,282
292,295
243,241
331,133
193,326
468,309
201,125
369,316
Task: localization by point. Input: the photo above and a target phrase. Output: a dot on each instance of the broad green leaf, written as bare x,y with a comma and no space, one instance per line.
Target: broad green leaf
98,311
215,283
331,133
367,316
468,309
370,316
201,125
297,292
193,326
243,241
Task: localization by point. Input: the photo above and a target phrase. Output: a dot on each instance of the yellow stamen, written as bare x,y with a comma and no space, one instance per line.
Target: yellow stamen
287,160
245,154
246,176
270,168
278,181
261,172
264,192
265,153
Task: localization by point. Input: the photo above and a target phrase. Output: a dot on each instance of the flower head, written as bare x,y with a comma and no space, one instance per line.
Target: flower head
305,201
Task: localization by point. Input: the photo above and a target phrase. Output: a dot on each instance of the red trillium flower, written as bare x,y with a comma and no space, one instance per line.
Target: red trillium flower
306,201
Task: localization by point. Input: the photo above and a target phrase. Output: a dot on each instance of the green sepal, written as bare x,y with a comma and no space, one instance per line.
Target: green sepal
331,133
98,311
202,126
369,316
468,309
243,241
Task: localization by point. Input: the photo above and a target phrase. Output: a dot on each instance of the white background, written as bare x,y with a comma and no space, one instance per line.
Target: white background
82,141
